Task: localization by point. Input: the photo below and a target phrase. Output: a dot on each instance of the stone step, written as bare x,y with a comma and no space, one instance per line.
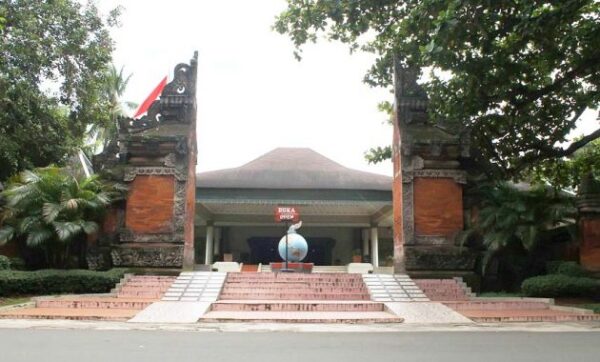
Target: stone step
93,303
141,295
428,292
292,276
297,306
521,315
135,288
307,289
293,280
444,289
150,281
497,305
301,317
259,295
294,284
70,314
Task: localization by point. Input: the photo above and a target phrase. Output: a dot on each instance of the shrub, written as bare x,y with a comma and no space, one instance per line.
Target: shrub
572,269
4,262
569,268
552,266
560,285
43,282
17,264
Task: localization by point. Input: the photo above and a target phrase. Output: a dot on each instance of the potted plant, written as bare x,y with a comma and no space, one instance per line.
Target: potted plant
357,256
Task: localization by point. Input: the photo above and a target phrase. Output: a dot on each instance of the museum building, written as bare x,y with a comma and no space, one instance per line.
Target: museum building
346,213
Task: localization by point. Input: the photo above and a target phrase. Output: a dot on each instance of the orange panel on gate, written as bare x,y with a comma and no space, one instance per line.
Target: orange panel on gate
590,243
438,206
150,204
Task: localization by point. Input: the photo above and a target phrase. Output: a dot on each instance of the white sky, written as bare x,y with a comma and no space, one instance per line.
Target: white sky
253,96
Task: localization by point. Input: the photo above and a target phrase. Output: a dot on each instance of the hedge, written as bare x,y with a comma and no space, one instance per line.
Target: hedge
560,285
42,282
4,262
569,268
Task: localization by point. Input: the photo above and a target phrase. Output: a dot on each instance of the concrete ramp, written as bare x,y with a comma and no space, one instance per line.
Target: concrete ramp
172,312
426,313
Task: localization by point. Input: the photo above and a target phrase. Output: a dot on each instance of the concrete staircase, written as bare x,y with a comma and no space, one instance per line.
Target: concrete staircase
441,290
131,295
297,298
496,310
293,286
455,294
266,268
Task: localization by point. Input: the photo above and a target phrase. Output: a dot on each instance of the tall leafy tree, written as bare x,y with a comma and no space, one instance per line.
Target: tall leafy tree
568,173
49,209
55,56
517,74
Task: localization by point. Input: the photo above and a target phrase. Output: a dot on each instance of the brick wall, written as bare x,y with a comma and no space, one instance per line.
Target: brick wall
150,204
590,243
438,206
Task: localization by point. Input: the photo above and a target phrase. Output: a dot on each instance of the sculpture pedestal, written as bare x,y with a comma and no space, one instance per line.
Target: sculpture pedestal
292,267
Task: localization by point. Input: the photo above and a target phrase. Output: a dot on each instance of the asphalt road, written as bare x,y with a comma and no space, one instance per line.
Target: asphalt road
149,346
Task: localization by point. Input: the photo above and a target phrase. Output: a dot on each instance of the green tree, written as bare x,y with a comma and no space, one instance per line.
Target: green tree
517,74
49,209
567,173
55,55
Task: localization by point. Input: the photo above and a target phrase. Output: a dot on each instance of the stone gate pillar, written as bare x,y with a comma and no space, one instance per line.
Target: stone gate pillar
588,203
428,183
157,161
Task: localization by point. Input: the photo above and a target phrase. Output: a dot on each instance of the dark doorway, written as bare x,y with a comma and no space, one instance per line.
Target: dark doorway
264,250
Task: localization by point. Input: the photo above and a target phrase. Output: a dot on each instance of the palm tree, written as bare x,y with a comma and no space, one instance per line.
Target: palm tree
114,88
514,218
50,209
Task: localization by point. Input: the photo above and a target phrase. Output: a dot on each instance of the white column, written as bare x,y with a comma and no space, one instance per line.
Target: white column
365,241
217,246
209,244
375,246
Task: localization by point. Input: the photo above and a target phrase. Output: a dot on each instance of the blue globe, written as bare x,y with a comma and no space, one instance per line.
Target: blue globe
297,247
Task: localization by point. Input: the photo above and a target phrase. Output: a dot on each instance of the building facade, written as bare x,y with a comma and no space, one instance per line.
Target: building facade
345,213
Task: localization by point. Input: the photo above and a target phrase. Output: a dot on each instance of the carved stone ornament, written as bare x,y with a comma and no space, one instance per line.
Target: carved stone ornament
459,176
150,256
132,172
408,215
440,258
410,98
182,83
168,236
170,160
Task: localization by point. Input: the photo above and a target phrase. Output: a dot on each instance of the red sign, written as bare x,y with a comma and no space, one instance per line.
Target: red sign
286,213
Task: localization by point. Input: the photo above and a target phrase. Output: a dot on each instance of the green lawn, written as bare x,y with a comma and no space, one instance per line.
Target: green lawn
13,300
592,306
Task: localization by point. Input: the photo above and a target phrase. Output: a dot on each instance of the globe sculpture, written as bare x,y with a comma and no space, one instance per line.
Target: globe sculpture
297,246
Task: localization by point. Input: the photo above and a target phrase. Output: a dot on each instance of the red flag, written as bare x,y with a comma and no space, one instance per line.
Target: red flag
151,98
